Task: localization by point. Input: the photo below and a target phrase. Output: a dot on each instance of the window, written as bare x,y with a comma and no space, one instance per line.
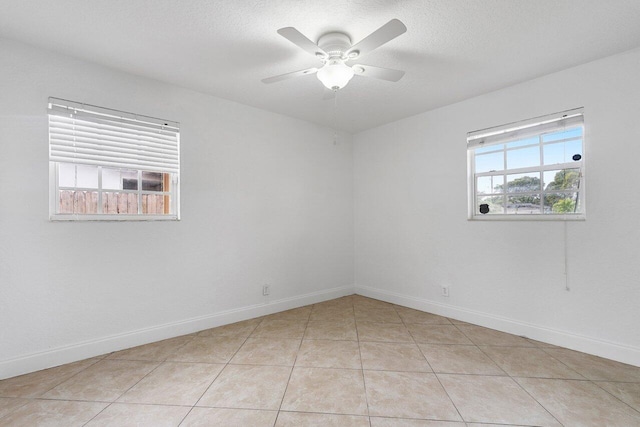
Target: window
110,165
528,170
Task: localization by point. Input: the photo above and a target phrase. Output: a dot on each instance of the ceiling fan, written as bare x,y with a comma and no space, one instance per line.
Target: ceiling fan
334,49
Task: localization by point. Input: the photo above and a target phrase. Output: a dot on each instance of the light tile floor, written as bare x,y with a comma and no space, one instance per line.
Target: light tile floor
352,361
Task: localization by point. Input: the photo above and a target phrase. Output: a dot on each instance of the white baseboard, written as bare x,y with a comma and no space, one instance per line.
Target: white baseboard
92,348
609,350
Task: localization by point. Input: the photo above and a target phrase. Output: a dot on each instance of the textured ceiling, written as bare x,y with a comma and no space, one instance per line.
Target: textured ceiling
452,50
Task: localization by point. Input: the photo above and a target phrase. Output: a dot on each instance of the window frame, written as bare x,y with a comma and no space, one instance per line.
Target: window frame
55,188
140,216
522,130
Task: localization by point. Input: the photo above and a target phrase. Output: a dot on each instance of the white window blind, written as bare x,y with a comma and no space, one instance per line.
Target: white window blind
524,129
86,134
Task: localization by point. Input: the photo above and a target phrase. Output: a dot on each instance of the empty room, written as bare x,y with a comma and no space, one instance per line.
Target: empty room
280,213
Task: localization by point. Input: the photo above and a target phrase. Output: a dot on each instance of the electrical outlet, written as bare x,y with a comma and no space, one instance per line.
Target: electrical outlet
445,291
266,290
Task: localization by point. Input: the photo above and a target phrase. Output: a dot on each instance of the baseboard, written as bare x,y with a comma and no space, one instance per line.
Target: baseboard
92,348
609,350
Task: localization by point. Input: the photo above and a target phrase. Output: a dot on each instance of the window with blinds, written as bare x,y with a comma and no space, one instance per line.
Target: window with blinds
532,169
111,165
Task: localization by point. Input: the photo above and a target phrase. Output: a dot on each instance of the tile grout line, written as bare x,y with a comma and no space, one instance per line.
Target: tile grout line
431,367
510,377
284,393
356,321
536,400
613,395
560,361
28,400
220,372
481,348
191,408
123,393
493,360
595,382
364,381
160,362
66,379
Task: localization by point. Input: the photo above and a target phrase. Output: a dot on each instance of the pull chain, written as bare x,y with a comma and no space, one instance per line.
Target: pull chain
567,286
335,117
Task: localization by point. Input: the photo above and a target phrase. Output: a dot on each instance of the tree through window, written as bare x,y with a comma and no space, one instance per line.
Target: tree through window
532,168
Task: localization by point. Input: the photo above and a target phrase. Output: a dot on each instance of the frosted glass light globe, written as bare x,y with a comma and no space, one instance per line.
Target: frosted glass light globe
335,74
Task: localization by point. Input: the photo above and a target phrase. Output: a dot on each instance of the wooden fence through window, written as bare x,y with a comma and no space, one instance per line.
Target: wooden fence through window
113,203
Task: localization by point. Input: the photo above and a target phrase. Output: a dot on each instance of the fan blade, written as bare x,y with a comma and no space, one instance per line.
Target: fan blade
297,38
289,75
382,35
378,72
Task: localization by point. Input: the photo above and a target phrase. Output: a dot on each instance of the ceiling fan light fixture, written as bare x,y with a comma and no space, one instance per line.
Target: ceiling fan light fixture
335,74
333,49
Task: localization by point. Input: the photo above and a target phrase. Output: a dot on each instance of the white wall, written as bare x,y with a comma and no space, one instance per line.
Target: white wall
412,233
269,199
265,199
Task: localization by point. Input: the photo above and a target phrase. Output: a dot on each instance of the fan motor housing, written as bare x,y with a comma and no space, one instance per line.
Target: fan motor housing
335,44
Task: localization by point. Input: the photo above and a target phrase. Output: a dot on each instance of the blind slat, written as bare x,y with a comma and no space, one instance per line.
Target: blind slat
114,153
112,139
117,163
110,126
68,138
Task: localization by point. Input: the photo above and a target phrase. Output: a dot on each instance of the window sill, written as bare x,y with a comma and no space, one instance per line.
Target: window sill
528,217
112,218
